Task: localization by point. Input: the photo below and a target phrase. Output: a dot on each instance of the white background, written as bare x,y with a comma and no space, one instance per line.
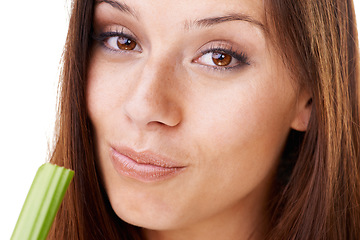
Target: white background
32,35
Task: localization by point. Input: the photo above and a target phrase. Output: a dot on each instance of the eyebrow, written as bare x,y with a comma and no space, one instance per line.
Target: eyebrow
119,6
209,22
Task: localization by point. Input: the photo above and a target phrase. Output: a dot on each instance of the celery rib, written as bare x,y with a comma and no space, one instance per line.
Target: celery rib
42,202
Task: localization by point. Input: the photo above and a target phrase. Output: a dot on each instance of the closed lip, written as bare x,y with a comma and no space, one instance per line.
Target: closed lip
145,166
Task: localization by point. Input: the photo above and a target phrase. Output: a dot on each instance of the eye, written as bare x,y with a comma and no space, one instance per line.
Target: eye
121,43
222,59
117,41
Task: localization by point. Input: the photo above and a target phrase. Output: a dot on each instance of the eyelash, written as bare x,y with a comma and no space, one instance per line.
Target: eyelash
101,37
241,57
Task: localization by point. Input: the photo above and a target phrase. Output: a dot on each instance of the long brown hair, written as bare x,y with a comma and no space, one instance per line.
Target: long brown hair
320,196
319,43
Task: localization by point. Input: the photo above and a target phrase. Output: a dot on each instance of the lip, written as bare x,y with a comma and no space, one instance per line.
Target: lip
144,166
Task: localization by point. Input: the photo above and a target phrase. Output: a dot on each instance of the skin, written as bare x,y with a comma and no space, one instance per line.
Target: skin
226,126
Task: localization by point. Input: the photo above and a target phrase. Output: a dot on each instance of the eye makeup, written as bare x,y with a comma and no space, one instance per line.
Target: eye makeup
222,56
117,41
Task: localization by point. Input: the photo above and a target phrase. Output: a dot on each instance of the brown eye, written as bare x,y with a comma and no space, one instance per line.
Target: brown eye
124,43
221,59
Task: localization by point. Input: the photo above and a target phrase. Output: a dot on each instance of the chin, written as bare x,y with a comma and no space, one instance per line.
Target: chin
149,219
151,210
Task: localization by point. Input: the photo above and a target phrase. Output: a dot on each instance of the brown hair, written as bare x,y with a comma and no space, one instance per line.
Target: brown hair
320,197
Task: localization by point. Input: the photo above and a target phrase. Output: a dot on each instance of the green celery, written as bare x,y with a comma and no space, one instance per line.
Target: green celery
42,202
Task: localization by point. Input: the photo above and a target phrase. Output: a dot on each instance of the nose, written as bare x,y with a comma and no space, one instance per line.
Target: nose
153,99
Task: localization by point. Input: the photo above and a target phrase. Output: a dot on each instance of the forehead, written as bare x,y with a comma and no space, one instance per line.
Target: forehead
199,13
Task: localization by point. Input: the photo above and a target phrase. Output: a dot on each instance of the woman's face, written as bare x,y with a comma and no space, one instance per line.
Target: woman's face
191,107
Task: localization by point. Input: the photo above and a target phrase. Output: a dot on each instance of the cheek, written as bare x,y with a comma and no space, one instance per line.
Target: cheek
97,93
243,135
105,92
255,116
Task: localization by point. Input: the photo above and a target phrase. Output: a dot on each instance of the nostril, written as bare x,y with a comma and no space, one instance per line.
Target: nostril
145,111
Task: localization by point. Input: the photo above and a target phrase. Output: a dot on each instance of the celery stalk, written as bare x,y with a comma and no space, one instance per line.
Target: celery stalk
42,202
